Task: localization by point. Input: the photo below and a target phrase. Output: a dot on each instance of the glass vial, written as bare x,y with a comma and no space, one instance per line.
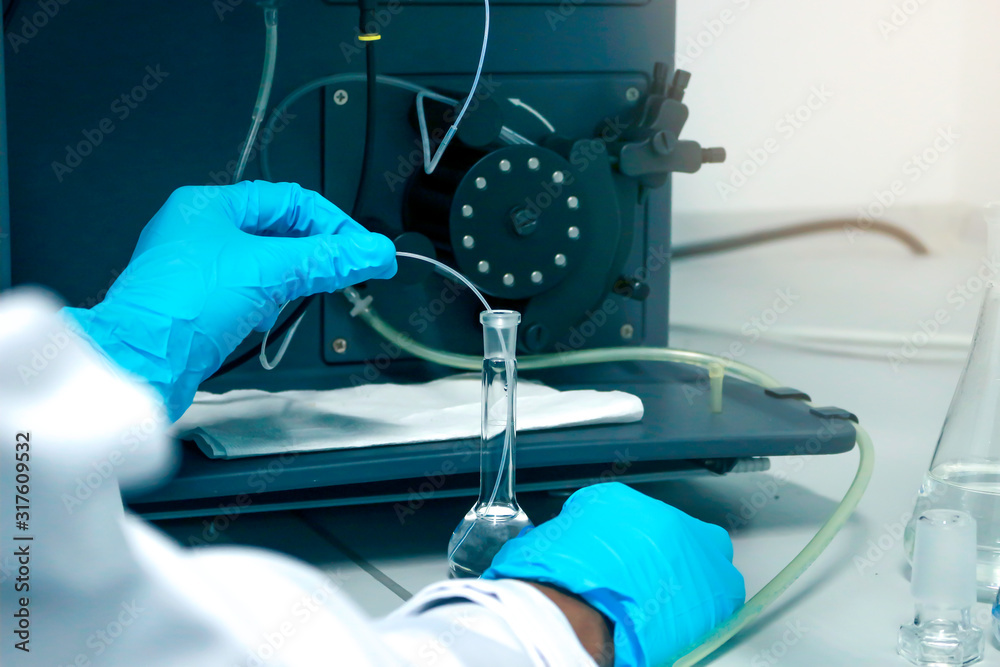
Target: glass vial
496,516
965,471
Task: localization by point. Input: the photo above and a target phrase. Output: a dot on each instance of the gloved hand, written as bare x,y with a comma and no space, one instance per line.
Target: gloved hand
217,262
662,577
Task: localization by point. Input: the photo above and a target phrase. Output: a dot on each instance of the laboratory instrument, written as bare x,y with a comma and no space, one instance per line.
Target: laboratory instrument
594,292
944,588
964,473
496,516
553,196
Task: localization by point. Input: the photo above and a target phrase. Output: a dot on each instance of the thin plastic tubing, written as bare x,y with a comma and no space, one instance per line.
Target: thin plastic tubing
450,271
430,163
507,134
315,84
264,92
507,360
750,611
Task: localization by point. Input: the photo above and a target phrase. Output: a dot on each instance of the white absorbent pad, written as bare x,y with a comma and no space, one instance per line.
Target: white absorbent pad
250,422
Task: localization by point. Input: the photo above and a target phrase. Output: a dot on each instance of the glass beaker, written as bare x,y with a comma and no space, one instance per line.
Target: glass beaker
496,516
965,471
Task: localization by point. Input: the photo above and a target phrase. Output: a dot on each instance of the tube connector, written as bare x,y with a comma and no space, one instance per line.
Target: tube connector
359,305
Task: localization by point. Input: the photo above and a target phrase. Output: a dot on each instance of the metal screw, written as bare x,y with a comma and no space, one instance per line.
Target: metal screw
504,165
508,279
536,277
573,203
560,259
483,266
468,242
573,232
480,182
627,331
339,345
533,163
466,211
632,94
557,177
340,97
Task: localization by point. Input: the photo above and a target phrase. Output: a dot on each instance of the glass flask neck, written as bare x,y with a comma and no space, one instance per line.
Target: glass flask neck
498,446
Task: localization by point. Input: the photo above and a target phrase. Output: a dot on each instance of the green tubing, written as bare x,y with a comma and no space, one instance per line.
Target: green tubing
749,612
575,358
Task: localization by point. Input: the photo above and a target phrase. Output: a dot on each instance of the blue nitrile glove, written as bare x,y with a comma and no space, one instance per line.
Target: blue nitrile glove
662,577
215,263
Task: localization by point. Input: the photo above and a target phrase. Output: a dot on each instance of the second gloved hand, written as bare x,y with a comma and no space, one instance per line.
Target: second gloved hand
663,578
217,262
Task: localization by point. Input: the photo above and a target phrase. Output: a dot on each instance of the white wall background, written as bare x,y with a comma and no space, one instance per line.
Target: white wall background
898,73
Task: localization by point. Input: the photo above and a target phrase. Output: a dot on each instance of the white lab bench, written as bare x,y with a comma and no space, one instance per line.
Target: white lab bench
847,608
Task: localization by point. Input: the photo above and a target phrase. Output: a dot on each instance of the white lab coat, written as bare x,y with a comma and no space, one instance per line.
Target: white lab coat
87,584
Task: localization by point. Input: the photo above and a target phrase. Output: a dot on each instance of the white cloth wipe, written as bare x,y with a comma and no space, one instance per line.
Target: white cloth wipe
250,422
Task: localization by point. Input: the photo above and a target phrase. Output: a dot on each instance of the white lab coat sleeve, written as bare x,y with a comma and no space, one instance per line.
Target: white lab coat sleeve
479,622
109,590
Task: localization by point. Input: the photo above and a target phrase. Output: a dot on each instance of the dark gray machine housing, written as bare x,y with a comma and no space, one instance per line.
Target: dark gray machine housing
112,105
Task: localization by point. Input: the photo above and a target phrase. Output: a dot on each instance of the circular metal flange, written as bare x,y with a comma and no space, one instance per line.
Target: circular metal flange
520,222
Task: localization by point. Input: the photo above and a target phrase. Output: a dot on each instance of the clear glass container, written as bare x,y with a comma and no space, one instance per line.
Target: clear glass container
496,516
965,471
944,591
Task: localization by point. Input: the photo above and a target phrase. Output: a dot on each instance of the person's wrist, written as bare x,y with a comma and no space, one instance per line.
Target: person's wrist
594,630
110,331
